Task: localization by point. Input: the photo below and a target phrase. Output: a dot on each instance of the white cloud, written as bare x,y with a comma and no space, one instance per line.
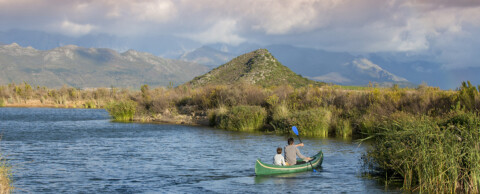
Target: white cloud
155,11
223,31
74,29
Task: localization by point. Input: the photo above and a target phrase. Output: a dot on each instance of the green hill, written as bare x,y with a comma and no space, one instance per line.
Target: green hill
258,67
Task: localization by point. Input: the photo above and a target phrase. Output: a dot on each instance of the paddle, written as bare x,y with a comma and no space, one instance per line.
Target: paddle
295,130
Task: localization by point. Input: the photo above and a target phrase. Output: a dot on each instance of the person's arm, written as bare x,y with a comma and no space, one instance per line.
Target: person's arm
302,156
283,162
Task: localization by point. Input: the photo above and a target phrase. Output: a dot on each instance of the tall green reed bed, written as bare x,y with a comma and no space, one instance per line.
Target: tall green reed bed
427,155
311,122
239,118
122,110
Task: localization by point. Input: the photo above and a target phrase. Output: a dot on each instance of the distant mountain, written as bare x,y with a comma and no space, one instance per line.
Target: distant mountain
207,56
417,68
335,67
91,67
258,67
160,45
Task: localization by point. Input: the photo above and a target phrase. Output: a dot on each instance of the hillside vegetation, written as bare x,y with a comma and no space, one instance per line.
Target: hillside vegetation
258,67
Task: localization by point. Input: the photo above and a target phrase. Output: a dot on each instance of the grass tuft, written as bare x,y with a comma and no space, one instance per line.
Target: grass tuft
242,118
122,110
5,176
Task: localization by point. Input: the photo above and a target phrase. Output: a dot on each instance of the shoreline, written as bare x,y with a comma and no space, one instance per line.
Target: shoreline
179,119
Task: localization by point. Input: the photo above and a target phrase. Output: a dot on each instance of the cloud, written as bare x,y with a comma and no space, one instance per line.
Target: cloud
156,11
443,27
223,31
68,27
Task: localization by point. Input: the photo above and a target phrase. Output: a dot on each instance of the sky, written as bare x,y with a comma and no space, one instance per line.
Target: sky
447,29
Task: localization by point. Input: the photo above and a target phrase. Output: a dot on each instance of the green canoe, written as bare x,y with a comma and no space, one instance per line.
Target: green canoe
268,169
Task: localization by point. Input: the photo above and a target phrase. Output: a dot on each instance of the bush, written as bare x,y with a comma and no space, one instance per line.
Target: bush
242,118
122,110
215,115
89,104
2,102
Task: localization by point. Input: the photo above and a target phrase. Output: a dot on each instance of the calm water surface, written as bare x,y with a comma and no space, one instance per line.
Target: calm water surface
81,151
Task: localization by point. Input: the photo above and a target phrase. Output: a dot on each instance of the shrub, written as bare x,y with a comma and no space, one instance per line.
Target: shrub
122,110
2,102
215,115
89,104
242,118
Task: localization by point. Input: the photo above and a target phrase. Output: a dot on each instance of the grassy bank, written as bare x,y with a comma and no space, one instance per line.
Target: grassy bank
26,95
318,111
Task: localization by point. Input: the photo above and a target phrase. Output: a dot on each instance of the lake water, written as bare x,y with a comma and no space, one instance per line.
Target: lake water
82,151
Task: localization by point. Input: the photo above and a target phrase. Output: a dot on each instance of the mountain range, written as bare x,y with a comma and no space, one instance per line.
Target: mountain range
92,67
386,68
329,66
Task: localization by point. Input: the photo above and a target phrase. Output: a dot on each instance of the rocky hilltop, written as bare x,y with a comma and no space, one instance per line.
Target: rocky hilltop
91,67
258,67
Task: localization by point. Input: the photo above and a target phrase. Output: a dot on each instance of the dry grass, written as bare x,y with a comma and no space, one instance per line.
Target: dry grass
5,177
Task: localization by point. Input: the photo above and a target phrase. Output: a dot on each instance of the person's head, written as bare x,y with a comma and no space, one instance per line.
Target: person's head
279,150
290,141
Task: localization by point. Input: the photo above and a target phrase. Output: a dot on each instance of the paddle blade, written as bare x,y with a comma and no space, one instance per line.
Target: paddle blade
294,128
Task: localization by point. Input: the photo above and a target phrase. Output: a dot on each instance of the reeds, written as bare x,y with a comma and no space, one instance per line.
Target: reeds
241,118
5,177
122,110
428,155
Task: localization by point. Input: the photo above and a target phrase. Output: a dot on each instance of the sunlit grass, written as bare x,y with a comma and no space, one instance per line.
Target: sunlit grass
5,176
122,110
242,118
